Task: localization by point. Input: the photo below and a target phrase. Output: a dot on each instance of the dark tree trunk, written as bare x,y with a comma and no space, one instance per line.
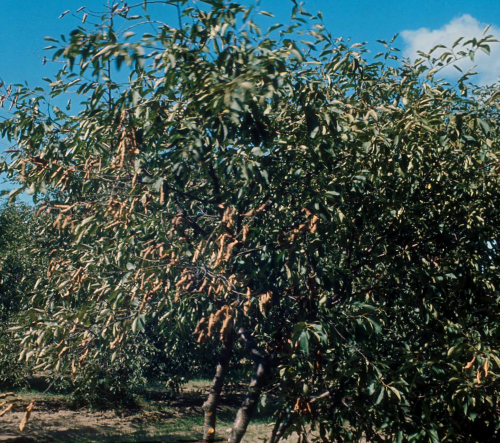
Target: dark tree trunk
210,406
258,381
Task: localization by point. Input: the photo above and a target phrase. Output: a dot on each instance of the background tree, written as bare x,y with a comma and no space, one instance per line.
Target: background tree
335,216
21,261
25,240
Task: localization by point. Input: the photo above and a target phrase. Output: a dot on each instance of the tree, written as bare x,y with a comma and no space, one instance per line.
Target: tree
334,215
19,267
16,228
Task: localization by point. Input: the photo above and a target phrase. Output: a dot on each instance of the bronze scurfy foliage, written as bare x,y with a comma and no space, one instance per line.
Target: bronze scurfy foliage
336,215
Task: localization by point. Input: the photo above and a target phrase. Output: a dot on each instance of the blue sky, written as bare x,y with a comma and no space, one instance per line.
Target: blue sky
421,24
23,24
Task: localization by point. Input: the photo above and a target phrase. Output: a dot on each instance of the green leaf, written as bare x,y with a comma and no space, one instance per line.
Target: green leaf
434,437
304,341
396,392
380,396
15,193
496,359
376,326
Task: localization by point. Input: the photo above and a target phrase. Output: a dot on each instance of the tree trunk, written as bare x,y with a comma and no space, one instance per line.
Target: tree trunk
210,406
258,381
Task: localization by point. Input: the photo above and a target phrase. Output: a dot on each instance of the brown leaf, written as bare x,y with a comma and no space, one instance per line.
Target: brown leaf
229,250
201,325
264,300
245,233
227,218
7,409
261,207
27,415
211,324
250,213
314,224
469,365
227,325
297,405
203,285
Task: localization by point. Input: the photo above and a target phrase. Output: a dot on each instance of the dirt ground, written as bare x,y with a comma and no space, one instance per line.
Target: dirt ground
76,426
159,420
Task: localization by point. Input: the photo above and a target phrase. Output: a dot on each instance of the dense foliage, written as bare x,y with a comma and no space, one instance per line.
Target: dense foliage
20,265
342,210
25,242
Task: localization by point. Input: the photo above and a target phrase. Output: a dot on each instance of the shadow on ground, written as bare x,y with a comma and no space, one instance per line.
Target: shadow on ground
161,418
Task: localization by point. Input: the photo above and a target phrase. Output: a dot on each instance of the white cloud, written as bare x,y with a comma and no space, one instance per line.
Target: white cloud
465,26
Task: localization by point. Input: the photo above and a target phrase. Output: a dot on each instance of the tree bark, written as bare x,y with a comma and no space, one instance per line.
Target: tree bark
258,381
210,406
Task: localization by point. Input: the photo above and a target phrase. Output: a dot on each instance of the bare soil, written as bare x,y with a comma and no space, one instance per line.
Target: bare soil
158,420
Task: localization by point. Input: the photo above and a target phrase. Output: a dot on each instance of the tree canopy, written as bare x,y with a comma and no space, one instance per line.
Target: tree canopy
334,212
